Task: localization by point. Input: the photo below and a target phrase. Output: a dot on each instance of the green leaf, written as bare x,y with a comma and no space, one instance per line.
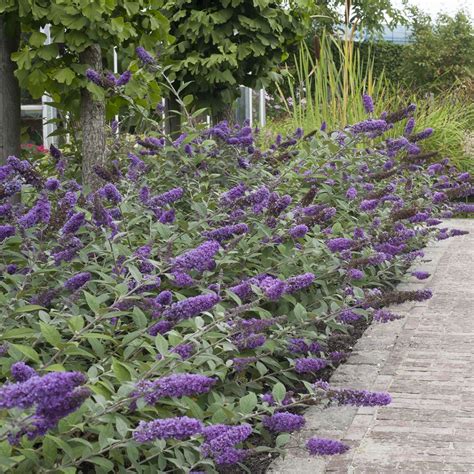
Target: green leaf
278,392
64,76
161,344
27,351
37,39
29,308
76,323
102,462
248,403
188,100
51,334
121,373
282,439
55,368
300,311
92,302
122,426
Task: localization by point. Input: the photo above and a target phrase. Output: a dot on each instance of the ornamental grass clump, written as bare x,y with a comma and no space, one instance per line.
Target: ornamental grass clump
178,317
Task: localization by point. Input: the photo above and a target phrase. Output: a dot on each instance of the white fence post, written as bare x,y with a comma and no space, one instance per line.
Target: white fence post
48,113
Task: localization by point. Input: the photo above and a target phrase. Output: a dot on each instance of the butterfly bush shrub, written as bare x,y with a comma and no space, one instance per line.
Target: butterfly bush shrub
176,319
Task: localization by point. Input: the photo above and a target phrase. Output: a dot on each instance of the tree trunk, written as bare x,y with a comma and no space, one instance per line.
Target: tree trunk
10,111
92,118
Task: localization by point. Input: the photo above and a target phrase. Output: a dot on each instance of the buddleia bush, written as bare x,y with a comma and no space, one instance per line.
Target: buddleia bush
177,318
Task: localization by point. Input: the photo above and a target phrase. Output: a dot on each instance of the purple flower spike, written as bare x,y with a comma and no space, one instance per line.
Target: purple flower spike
52,184
339,244
420,275
298,231
309,364
351,193
94,77
299,282
176,385
383,316
368,103
77,281
180,427
124,78
284,422
22,372
355,274
325,447
6,231
144,56
111,193
191,307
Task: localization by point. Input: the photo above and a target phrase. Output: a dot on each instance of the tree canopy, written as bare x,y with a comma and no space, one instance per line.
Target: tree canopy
56,67
220,45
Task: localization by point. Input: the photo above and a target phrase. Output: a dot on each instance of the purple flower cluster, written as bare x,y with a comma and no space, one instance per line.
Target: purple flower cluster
191,307
298,282
368,103
185,350
351,193
111,193
325,447
77,281
220,442
235,193
176,385
200,259
355,274
298,231
298,345
309,364
339,244
144,56
167,197
369,204
179,427
54,396
6,231
371,126
348,316
74,223
283,422
22,372
39,213
358,398
248,341
164,298
241,363
420,275
384,316
227,232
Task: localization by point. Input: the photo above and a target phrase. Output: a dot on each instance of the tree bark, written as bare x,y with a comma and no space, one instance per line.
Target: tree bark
10,105
92,119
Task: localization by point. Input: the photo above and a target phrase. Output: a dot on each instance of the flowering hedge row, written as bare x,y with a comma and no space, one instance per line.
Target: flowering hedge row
175,319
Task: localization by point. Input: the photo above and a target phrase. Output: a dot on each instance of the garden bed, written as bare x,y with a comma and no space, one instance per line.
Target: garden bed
163,320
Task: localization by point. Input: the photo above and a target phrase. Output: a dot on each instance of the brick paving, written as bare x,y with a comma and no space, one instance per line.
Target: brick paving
426,362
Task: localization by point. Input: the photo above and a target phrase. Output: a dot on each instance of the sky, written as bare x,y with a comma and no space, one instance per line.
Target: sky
433,7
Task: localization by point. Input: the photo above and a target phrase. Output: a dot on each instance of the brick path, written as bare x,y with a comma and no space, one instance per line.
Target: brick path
426,362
